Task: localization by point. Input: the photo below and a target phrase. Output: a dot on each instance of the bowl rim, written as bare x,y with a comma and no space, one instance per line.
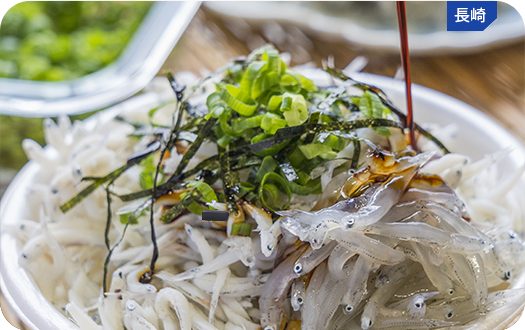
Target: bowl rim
499,34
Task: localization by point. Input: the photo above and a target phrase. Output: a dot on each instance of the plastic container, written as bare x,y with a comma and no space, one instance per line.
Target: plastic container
136,66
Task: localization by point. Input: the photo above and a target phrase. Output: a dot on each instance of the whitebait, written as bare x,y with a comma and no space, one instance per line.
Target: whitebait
234,286
333,224
298,294
276,288
357,282
239,249
340,258
169,300
362,244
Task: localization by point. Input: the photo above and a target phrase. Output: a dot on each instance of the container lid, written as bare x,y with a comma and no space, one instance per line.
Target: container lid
136,66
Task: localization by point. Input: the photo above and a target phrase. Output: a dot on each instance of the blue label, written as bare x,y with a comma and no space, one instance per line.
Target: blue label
471,15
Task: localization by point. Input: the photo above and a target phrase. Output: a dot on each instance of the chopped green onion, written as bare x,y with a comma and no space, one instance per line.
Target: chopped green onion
310,151
254,70
290,83
305,190
275,103
147,175
370,105
272,122
239,101
242,124
294,109
334,142
216,105
124,218
241,229
246,188
208,194
273,190
269,164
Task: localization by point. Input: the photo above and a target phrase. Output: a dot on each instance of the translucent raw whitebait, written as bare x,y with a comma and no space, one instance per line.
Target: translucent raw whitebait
234,286
312,258
275,290
393,274
84,321
359,243
337,260
357,283
416,232
264,226
298,293
139,318
240,249
309,314
168,300
222,277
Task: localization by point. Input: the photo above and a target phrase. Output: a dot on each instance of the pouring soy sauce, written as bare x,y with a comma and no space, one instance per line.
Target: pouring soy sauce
405,60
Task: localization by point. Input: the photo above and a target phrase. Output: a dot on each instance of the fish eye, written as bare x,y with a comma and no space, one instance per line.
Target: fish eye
349,223
315,241
370,323
269,247
507,275
450,314
298,268
299,300
130,306
451,291
418,305
349,308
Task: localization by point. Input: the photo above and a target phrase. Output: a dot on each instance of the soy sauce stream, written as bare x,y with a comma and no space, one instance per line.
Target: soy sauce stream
405,60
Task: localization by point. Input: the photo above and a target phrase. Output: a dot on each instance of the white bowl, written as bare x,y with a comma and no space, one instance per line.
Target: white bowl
507,29
478,135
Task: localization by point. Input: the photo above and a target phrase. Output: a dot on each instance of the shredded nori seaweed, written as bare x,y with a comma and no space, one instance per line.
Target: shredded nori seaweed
92,187
340,75
180,207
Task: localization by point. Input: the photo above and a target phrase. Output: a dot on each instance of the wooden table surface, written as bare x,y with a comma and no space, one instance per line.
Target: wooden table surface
492,81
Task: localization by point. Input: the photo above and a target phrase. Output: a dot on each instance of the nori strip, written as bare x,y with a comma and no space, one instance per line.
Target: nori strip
204,170
195,146
285,134
92,187
357,152
177,210
288,171
247,164
339,74
133,160
129,122
143,131
230,179
178,89
141,155
209,164
106,236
